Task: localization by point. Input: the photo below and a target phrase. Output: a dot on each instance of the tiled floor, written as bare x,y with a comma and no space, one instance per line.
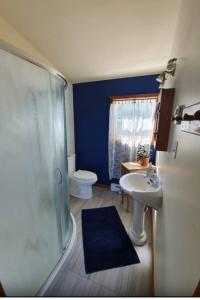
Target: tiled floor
133,280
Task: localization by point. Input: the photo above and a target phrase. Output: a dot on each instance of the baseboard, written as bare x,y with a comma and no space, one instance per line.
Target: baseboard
68,252
105,186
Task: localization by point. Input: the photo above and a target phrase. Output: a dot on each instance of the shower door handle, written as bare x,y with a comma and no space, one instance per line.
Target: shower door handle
59,176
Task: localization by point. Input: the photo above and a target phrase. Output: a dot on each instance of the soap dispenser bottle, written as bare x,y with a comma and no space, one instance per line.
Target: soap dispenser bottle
150,171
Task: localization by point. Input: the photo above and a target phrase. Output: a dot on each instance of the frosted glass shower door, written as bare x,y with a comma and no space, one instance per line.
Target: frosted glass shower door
58,100
29,243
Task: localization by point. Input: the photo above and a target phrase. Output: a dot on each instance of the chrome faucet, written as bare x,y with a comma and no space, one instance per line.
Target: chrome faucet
151,176
154,180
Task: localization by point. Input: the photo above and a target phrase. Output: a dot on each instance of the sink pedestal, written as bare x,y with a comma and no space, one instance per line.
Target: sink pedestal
138,186
137,233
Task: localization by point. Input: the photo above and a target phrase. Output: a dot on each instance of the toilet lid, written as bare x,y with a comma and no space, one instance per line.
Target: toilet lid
85,175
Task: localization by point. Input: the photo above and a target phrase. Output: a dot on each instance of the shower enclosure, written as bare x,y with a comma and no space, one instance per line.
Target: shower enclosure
35,221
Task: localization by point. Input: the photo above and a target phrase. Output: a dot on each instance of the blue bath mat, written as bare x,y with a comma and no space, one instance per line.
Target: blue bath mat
105,241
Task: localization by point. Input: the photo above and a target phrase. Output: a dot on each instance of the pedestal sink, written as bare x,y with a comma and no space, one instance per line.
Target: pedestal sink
144,192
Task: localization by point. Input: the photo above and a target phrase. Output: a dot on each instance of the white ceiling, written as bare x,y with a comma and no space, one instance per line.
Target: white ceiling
91,40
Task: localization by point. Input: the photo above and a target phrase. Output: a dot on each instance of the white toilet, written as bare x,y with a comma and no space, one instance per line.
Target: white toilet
80,181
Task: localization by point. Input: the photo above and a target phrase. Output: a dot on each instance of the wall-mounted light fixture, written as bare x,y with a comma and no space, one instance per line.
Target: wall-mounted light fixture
166,78
161,77
171,66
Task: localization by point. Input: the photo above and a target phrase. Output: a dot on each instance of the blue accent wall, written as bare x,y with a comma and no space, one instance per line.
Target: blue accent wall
91,118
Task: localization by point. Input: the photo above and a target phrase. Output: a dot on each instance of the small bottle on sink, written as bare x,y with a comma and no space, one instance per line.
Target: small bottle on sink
150,171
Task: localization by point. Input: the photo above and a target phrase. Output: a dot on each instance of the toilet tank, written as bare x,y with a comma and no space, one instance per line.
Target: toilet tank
71,164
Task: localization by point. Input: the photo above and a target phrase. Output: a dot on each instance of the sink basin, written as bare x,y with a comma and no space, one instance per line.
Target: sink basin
138,186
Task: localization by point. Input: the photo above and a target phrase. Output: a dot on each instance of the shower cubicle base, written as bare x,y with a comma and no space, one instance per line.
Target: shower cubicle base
67,253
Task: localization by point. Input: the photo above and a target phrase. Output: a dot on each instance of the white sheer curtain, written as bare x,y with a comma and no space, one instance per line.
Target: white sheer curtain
130,124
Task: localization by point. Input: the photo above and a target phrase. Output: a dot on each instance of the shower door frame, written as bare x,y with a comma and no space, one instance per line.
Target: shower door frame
63,241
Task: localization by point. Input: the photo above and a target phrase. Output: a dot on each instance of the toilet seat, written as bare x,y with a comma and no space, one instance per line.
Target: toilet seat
85,176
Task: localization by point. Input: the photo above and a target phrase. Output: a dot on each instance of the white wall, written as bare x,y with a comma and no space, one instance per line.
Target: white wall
70,119
9,35
177,232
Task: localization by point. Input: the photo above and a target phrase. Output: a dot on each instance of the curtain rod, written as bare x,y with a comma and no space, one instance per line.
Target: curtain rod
134,97
21,54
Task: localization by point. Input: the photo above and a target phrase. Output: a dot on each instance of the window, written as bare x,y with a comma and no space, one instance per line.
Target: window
131,124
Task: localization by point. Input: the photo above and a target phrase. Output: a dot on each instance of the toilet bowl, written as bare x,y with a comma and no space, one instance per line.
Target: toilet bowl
81,181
